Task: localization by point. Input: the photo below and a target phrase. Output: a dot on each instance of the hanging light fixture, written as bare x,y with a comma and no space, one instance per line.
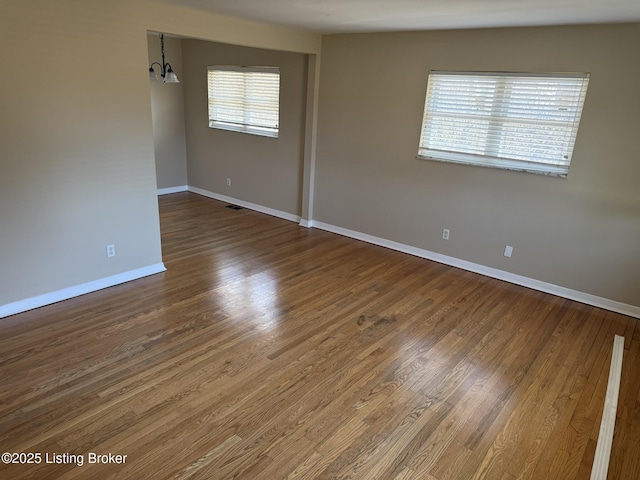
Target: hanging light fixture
167,72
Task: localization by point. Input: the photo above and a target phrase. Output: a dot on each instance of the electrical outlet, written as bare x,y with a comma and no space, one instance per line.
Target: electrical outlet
445,234
111,250
228,182
508,251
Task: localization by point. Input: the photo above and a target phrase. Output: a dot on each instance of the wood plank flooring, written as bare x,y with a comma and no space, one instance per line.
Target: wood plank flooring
270,351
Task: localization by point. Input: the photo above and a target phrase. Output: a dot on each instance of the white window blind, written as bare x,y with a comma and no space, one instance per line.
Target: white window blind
526,122
244,99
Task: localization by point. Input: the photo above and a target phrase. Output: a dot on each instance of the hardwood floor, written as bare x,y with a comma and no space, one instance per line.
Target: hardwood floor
270,351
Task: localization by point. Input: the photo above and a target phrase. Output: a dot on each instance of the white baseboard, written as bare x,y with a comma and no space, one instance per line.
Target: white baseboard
586,298
168,190
608,420
251,206
77,290
306,223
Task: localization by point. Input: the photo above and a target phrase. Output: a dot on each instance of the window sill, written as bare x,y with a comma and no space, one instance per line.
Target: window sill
489,162
262,132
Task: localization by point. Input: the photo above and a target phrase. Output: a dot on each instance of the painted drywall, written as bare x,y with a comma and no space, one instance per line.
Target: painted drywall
167,110
160,17
264,171
77,152
77,158
582,232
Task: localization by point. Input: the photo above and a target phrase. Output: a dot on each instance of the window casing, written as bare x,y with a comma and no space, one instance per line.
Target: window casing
244,99
515,121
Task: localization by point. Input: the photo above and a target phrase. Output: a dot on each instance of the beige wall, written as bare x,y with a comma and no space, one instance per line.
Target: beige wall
160,17
265,171
77,155
76,142
581,233
167,110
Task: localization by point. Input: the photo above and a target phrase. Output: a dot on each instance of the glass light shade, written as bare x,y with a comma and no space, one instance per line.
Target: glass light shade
170,76
152,74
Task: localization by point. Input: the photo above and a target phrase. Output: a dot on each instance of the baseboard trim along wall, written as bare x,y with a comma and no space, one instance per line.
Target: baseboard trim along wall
168,190
306,223
251,206
77,290
586,298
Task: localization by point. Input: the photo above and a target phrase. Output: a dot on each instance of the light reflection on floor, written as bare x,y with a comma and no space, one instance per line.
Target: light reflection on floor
252,297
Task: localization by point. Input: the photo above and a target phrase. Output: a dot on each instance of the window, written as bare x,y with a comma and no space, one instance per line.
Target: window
244,99
525,122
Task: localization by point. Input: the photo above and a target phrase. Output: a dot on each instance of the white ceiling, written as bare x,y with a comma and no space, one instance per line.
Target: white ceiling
337,16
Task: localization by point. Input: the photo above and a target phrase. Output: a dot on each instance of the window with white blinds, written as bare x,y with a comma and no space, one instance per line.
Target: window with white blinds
516,121
244,99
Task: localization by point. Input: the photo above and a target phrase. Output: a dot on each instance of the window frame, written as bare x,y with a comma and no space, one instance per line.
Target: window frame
504,129
246,105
